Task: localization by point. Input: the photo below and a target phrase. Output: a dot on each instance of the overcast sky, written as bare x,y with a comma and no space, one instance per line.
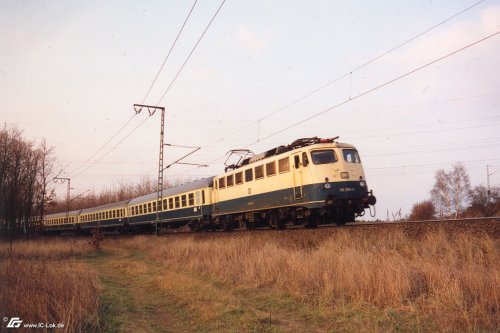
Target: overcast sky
70,72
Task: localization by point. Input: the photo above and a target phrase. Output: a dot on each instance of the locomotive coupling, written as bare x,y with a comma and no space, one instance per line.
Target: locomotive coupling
370,199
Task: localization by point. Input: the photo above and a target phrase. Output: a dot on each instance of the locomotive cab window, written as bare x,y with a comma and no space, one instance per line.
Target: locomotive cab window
222,183
323,156
351,156
305,160
296,161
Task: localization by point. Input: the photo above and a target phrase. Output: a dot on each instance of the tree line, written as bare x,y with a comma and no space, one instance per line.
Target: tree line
453,197
26,168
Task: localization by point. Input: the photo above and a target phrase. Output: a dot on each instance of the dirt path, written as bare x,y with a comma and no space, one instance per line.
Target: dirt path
143,295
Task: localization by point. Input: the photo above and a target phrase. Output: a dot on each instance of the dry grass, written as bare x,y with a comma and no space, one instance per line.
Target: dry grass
45,248
451,278
42,283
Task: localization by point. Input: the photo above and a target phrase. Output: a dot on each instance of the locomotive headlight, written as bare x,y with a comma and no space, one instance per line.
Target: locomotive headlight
327,186
362,184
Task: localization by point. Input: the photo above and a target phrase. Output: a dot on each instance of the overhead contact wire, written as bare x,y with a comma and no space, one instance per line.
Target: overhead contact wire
329,83
169,52
191,53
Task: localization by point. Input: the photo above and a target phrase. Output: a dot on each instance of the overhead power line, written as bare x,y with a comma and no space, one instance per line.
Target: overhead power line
110,150
104,145
150,88
379,86
347,74
368,91
191,53
169,52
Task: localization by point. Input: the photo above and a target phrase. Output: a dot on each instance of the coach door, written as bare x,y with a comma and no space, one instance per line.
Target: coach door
297,176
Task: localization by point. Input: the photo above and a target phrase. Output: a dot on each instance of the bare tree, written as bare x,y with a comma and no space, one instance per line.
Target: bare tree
451,190
46,173
441,193
23,169
460,187
483,203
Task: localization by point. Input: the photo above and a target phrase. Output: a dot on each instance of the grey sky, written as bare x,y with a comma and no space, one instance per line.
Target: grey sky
71,70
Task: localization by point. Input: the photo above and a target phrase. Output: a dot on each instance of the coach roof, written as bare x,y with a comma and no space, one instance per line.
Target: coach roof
188,187
114,205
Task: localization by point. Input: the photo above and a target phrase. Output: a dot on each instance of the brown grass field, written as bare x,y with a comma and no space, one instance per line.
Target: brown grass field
370,279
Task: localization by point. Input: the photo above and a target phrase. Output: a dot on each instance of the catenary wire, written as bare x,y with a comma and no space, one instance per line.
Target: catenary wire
347,74
169,52
379,86
178,73
369,91
191,53
145,97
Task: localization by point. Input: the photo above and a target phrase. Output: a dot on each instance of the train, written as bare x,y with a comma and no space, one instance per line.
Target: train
310,182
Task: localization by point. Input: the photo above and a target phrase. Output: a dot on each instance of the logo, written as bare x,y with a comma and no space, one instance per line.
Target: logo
14,322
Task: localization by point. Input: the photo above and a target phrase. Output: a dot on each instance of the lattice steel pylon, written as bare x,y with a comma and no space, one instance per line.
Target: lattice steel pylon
159,189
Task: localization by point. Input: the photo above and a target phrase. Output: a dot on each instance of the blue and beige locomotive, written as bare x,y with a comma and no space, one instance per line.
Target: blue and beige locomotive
312,181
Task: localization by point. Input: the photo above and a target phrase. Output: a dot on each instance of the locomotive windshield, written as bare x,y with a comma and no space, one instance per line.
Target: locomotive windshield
351,156
323,156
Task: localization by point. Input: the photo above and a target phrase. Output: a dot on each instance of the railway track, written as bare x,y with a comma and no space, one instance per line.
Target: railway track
489,225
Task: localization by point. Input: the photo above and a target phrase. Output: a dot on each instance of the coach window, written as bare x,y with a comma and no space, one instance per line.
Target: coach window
271,169
222,183
140,209
177,202
323,156
197,198
239,178
149,207
191,199
170,203
230,180
114,214
305,160
183,200
284,165
154,206
202,197
165,204
351,156
248,175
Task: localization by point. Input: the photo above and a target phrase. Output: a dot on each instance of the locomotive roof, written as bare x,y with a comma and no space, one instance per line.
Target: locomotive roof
119,204
297,144
188,187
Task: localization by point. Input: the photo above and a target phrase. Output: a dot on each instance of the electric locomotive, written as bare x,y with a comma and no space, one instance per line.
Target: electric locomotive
311,181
